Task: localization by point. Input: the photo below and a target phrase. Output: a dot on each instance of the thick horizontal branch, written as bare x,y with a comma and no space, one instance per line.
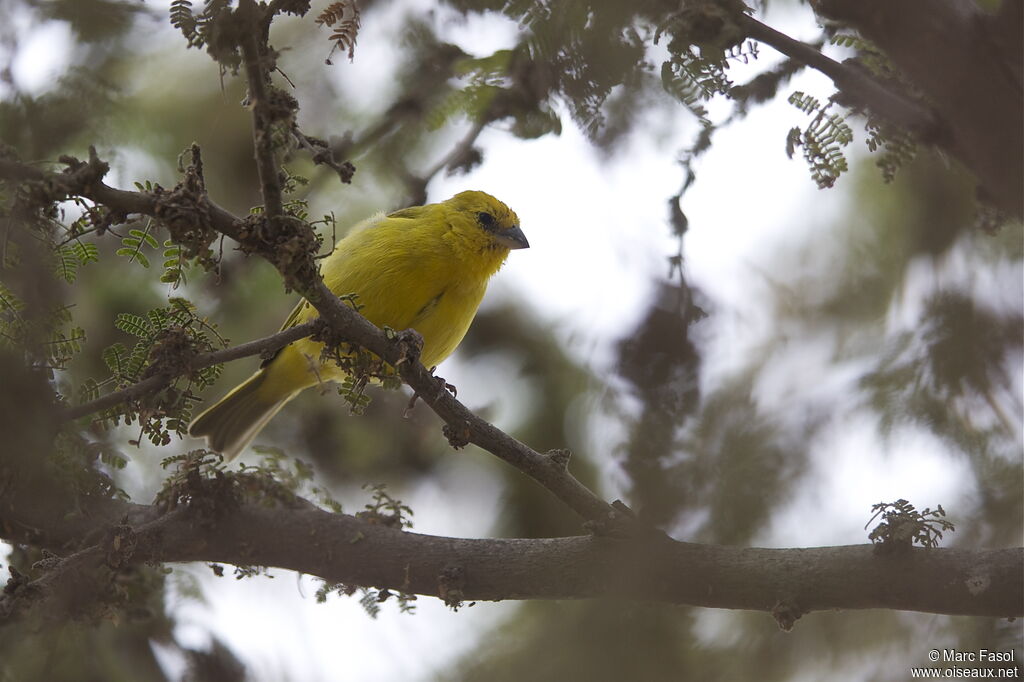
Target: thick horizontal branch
785,582
268,344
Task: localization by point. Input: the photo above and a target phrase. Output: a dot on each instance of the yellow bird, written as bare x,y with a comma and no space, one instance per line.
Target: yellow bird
424,268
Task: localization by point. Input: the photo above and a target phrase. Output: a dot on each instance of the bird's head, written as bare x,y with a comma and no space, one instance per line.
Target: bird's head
485,222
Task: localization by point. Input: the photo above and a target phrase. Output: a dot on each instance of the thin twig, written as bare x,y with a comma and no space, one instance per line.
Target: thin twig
156,382
124,201
322,155
262,118
459,151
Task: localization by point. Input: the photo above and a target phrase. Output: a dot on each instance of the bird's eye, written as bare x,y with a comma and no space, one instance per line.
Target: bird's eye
486,220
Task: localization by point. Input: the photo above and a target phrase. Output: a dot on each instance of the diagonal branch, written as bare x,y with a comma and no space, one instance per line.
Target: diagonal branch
864,90
463,426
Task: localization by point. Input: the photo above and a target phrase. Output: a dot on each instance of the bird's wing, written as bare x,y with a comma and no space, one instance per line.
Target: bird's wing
413,212
294,316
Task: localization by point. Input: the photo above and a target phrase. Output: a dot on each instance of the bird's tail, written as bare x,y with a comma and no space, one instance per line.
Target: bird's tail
231,423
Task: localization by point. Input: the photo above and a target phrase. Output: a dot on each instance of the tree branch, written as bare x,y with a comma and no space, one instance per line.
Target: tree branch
967,63
463,426
264,114
84,181
157,381
864,90
345,549
346,324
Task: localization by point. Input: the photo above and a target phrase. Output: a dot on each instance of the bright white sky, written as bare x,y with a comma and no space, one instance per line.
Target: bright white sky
599,237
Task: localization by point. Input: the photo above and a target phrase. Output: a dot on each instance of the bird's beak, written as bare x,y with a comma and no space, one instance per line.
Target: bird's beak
513,238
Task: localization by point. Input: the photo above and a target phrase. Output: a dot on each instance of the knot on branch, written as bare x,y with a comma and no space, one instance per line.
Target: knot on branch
81,176
334,341
408,345
451,584
711,25
560,457
121,545
786,614
18,594
458,435
280,106
286,242
978,582
325,154
40,194
185,211
622,522
172,353
201,484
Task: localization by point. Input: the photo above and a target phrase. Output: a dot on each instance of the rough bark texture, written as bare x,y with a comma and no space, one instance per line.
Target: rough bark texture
649,567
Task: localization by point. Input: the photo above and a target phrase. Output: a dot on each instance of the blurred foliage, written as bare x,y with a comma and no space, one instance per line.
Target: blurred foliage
709,461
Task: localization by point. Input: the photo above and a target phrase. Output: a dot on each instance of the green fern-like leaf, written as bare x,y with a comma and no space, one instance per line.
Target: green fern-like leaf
486,79
163,335
132,250
63,346
134,325
88,391
677,82
145,236
822,141
200,30
745,52
9,303
132,245
185,21
85,252
66,264
116,358
895,147
174,265
869,57
137,361
693,79
370,601
159,319
805,103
